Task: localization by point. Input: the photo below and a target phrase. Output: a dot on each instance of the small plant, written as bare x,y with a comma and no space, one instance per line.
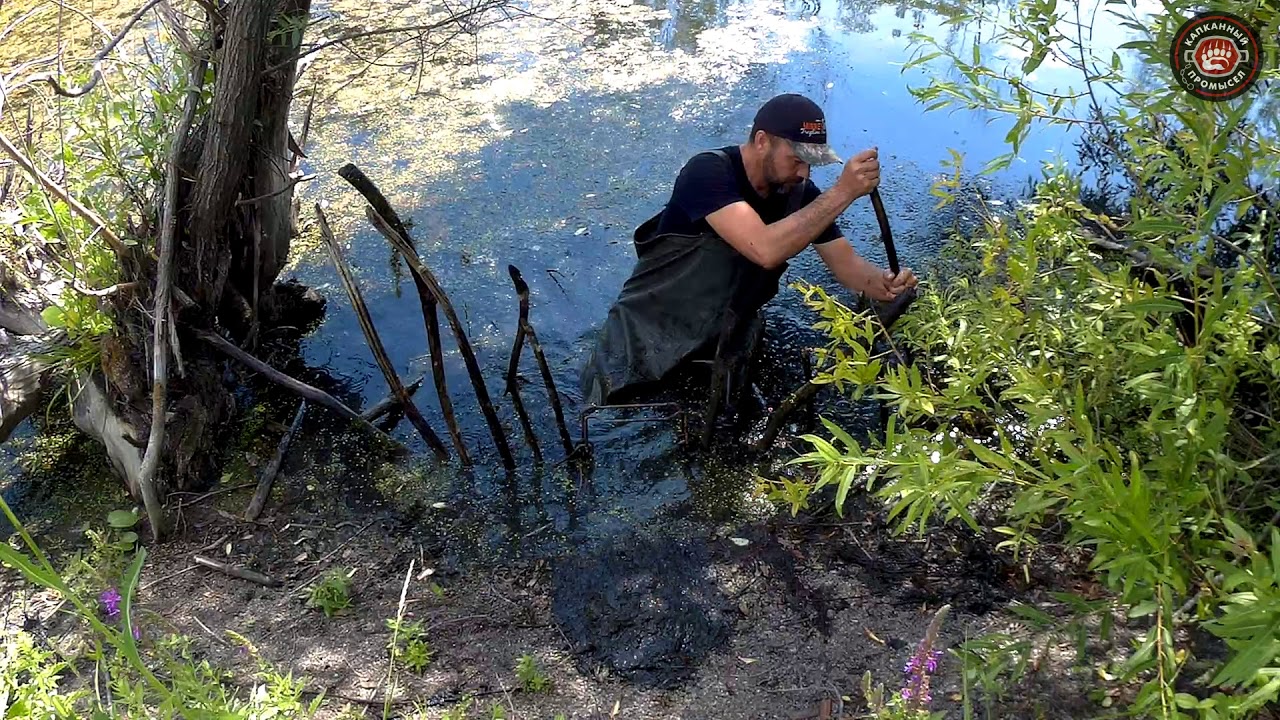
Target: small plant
457,712
332,594
531,677
912,701
409,644
497,712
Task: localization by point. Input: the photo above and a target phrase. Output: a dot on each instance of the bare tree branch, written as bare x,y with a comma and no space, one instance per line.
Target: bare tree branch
453,19
164,310
51,77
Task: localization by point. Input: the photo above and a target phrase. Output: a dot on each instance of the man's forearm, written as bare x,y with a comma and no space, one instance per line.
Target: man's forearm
859,275
790,235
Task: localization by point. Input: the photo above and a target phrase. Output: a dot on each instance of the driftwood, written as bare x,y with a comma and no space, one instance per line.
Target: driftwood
375,342
308,392
513,383
527,330
236,572
389,403
425,280
272,469
428,302
24,378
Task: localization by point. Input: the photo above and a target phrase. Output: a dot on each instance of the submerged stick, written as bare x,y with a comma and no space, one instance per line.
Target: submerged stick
428,303
389,403
801,395
375,342
426,280
269,473
526,328
314,394
513,384
234,571
718,373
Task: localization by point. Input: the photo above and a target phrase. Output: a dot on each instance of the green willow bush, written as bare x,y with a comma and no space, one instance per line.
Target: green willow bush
1043,383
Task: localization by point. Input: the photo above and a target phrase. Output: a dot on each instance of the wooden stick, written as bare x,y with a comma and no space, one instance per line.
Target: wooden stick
426,280
389,403
314,394
803,394
432,323
375,342
513,385
237,572
269,473
164,312
547,379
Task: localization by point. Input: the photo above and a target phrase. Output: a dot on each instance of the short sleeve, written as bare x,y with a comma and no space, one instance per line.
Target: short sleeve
811,193
705,184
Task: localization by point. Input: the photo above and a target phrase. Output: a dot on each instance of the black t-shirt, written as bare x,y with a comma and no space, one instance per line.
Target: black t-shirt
707,183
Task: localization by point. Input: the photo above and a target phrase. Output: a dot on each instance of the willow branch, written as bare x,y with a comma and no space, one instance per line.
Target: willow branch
76,206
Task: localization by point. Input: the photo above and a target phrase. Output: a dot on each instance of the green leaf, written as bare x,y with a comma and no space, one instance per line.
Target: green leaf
1143,609
54,317
122,519
840,435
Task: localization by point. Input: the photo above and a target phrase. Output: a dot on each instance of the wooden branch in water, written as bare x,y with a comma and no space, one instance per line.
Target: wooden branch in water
513,384
163,314
527,330
375,342
429,318
236,572
314,394
801,395
389,403
426,280
269,473
719,371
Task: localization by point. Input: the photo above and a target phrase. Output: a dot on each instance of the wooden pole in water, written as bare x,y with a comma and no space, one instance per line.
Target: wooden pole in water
428,303
375,342
527,329
427,280
272,469
804,393
513,385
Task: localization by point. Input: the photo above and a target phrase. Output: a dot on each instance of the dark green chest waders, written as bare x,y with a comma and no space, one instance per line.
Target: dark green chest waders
689,297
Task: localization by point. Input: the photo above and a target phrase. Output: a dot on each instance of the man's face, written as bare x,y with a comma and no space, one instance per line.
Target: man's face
782,169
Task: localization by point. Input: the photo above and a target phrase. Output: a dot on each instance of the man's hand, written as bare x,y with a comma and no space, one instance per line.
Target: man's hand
861,174
888,286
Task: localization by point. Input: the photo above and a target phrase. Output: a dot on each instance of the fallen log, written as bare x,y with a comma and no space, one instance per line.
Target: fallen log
375,343
426,280
24,378
272,469
314,394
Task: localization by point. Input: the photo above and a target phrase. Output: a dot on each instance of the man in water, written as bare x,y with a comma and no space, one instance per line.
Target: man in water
715,254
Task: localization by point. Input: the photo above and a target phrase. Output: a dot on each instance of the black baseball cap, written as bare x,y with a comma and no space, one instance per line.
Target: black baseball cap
800,121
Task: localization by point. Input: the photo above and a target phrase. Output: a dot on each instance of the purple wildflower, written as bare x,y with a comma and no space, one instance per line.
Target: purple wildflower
137,633
111,602
932,665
